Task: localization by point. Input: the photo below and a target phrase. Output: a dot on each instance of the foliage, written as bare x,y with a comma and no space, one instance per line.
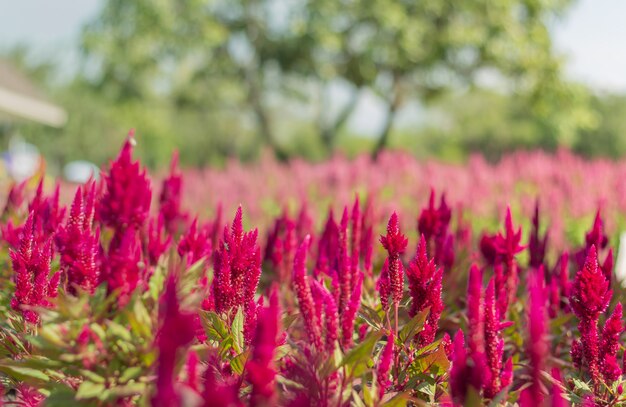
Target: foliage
182,314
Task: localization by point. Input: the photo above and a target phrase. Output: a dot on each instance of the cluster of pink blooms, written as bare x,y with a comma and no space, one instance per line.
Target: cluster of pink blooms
311,295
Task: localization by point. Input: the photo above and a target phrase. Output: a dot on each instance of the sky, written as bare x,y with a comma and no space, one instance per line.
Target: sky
591,36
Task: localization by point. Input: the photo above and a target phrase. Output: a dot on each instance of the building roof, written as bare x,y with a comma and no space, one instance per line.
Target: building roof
21,99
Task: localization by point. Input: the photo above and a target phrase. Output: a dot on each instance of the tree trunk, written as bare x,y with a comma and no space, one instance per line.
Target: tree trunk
328,133
392,108
262,117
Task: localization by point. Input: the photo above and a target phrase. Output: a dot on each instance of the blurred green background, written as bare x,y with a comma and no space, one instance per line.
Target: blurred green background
220,79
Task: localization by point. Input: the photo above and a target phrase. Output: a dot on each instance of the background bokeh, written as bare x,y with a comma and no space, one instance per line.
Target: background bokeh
223,79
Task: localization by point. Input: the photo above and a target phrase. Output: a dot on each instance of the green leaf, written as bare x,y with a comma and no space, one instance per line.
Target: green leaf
23,374
131,373
237,330
414,326
362,352
119,331
130,389
400,400
88,390
579,384
436,362
238,363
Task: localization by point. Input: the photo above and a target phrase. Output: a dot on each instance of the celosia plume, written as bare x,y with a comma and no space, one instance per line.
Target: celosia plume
383,368
175,333
395,243
425,290
237,270
126,201
79,246
536,340
31,264
260,366
171,197
589,298
303,292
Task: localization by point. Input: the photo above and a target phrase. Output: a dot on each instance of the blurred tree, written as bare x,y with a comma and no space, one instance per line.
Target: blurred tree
245,55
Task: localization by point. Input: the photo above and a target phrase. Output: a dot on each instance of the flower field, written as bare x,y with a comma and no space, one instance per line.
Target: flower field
343,283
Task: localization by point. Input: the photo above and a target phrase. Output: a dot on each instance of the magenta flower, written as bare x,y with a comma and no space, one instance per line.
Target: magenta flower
609,345
171,196
195,244
327,248
464,372
327,314
433,222
475,311
79,246
507,245
159,240
126,201
349,314
175,333
121,271
237,268
383,285
367,236
590,296
536,244
306,303
395,243
280,247
383,368
536,342
260,367
425,290
31,264
15,198
558,400
499,375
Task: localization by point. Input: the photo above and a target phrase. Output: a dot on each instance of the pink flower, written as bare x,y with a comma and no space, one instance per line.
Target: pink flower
383,368
499,376
433,224
260,366
590,297
609,345
507,245
475,311
79,246
126,202
237,267
383,285
349,315
327,314
590,294
194,244
121,270
31,264
280,246
158,241
460,371
170,198
15,198
425,290
558,400
175,333
433,221
537,244
395,243
536,343
218,393
304,295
